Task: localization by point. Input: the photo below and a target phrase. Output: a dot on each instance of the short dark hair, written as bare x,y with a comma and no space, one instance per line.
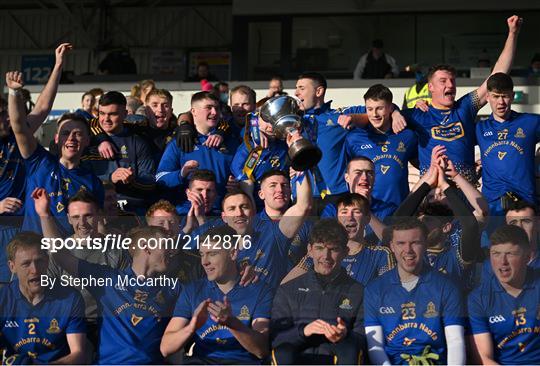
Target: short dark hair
360,158
500,82
317,78
519,205
113,97
204,175
217,231
328,230
73,117
202,95
407,223
83,196
440,67
353,199
510,234
379,92
234,192
217,85
436,209
272,172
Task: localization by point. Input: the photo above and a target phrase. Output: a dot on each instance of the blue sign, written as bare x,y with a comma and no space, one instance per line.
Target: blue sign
36,69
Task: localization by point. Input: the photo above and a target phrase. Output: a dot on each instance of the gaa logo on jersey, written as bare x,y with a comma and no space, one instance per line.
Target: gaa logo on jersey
488,133
11,324
366,146
496,319
386,310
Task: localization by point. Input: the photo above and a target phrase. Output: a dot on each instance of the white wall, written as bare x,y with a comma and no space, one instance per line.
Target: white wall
342,92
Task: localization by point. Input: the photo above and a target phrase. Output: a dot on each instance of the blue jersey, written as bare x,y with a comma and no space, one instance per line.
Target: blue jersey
413,322
370,237
453,128
321,126
448,260
364,266
368,263
45,171
507,150
268,252
217,342
274,157
217,160
513,322
12,173
39,331
300,241
133,317
391,154
86,115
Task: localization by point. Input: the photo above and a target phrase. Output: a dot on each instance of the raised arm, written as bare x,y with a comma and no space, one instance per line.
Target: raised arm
45,100
296,215
61,255
473,195
26,141
504,62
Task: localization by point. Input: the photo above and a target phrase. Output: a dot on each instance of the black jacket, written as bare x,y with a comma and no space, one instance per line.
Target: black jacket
304,299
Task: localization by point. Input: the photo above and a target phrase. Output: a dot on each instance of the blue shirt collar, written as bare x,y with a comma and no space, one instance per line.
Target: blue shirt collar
213,285
529,281
513,115
425,274
322,109
47,296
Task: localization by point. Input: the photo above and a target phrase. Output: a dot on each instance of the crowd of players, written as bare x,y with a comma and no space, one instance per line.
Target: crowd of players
339,264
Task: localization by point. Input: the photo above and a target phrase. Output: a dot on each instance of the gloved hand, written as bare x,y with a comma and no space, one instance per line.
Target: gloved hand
185,136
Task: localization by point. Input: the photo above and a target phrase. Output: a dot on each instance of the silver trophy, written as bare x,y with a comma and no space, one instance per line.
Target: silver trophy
283,113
